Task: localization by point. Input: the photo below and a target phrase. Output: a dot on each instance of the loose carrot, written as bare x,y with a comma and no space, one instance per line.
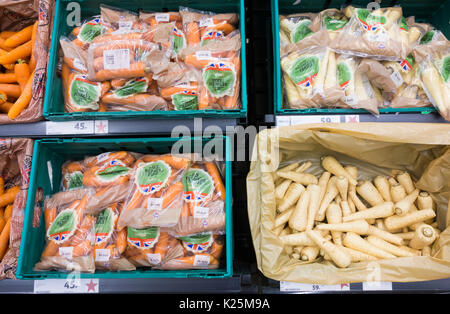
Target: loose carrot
6,34
22,73
11,90
23,101
4,238
9,196
2,182
2,223
8,211
21,52
22,36
3,99
5,107
8,78
3,46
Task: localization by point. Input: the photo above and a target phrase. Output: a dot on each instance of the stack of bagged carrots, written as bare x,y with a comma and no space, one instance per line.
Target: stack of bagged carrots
122,61
123,210
18,65
336,217
7,197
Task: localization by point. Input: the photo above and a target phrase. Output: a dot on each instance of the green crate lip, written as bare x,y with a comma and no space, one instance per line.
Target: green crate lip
277,83
210,273
63,116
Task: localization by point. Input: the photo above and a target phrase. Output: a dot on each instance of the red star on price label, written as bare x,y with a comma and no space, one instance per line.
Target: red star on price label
100,127
91,286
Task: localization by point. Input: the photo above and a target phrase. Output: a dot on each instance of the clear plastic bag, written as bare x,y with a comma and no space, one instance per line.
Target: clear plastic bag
69,235
72,175
156,194
121,21
295,27
371,33
204,201
89,29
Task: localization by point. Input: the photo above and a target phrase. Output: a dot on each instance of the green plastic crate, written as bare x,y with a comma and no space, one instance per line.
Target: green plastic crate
434,12
53,108
52,153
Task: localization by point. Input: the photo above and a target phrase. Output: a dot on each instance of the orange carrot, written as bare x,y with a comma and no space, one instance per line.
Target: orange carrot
71,63
32,62
9,196
185,210
5,107
136,69
23,101
82,249
51,249
191,258
191,59
8,212
135,200
83,230
21,52
102,107
20,37
2,223
8,78
121,240
49,216
215,175
22,73
2,182
3,99
119,82
192,33
161,245
12,90
6,34
4,238
171,193
3,46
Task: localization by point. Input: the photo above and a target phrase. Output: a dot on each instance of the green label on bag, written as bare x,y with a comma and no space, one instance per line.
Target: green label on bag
333,24
198,243
403,24
104,225
131,87
198,185
344,75
304,70
427,37
369,21
112,170
301,31
445,69
178,40
186,100
84,93
63,227
90,30
152,177
143,238
219,78
74,179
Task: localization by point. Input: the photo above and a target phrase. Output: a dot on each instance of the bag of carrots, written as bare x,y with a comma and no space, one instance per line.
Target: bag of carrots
121,21
90,28
72,175
151,246
200,251
155,197
69,237
24,38
204,200
110,243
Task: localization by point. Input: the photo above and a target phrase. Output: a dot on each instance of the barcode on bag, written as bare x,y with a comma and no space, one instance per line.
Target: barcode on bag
351,100
397,78
203,55
66,252
201,260
116,59
162,17
102,157
206,22
77,63
154,203
102,255
154,258
201,212
125,25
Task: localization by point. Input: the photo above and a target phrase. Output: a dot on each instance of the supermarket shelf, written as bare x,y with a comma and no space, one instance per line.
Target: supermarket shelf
116,127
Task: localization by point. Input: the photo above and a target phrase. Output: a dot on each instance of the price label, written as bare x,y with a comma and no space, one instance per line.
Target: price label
155,203
206,21
116,59
397,78
377,285
66,252
287,286
154,258
201,212
315,119
102,255
201,260
203,55
351,100
162,17
68,285
69,127
101,126
283,121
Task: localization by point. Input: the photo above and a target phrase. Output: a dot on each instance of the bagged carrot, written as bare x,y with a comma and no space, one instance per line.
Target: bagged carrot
74,56
110,243
121,21
89,29
156,195
69,237
149,247
201,26
200,251
204,201
72,175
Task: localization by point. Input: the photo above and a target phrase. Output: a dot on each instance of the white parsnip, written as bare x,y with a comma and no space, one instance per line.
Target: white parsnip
337,255
426,251
346,211
330,164
280,189
357,226
385,235
292,195
398,192
392,181
314,203
385,209
353,171
383,187
424,200
334,216
424,236
351,204
405,180
329,196
282,218
355,199
369,192
388,247
295,256
299,218
296,239
323,182
395,221
342,186
289,167
277,231
299,177
357,256
354,241
405,235
411,250
309,253
404,206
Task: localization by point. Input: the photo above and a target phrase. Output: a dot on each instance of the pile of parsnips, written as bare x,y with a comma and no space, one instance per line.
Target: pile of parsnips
337,218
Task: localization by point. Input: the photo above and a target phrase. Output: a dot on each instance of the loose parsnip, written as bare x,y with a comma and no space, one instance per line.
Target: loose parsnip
309,253
337,255
330,194
282,218
382,210
299,218
357,226
334,216
425,201
342,186
423,236
369,193
395,221
314,202
296,239
354,241
385,235
330,164
405,180
404,206
292,195
382,184
301,178
388,247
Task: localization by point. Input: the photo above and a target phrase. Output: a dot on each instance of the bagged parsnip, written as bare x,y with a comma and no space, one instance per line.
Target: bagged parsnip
295,27
333,20
304,75
374,34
